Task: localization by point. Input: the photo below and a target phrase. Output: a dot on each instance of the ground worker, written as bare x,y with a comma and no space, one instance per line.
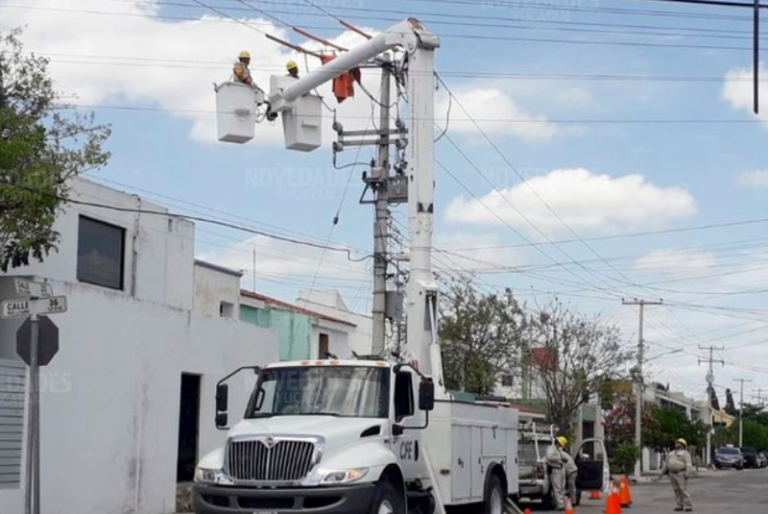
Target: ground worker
293,69
571,472
241,71
677,466
556,463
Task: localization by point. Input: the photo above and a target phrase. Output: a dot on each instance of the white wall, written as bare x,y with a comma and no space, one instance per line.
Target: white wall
110,398
214,286
110,408
159,257
358,338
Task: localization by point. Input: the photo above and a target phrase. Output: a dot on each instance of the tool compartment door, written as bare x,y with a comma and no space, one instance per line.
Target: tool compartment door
461,463
592,461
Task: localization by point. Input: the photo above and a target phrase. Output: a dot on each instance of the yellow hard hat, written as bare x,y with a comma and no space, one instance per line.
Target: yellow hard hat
245,54
682,441
291,65
563,441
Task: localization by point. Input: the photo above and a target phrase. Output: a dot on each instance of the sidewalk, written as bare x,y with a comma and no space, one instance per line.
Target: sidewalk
655,475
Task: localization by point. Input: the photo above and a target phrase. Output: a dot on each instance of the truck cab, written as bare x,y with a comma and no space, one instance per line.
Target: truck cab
326,436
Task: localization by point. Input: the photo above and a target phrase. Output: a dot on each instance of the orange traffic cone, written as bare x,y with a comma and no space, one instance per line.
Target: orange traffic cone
625,496
568,506
527,511
610,505
616,499
594,495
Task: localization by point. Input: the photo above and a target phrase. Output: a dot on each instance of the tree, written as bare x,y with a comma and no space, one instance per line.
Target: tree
480,336
41,149
672,425
573,355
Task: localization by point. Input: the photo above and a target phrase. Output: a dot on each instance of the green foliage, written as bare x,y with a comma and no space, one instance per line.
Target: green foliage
479,335
755,435
40,150
670,426
624,458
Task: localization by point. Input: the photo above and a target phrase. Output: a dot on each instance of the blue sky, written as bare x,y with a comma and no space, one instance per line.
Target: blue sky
594,153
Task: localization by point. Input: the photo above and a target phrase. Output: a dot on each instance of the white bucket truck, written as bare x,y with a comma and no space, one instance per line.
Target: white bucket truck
364,436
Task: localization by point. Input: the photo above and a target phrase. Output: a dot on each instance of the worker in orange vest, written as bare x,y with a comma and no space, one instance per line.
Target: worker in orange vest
241,72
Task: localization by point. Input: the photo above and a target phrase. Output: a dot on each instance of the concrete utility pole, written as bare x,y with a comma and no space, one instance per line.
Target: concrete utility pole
639,381
380,176
741,410
710,387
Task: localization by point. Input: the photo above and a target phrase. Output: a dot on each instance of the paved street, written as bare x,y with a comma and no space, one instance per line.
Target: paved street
721,492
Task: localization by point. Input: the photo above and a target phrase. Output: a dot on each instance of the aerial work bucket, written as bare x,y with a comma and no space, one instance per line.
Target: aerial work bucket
236,112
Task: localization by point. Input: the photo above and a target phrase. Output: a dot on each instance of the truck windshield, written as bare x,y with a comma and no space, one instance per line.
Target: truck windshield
345,391
728,451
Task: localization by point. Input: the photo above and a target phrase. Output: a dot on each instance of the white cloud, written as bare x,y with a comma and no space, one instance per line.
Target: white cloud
754,178
99,58
582,198
473,252
488,103
738,90
574,97
283,259
676,262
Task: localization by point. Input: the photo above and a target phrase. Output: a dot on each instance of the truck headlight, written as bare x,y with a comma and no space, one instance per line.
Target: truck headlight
211,476
343,476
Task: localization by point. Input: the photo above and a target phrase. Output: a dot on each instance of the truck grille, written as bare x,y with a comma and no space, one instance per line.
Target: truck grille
282,461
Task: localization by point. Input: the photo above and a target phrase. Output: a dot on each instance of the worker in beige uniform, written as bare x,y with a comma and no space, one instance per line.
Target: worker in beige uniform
678,466
571,472
556,464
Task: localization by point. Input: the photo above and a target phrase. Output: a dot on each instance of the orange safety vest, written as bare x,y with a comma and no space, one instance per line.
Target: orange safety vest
344,84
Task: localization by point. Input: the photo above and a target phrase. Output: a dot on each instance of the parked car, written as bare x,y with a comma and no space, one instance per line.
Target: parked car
762,459
728,457
750,457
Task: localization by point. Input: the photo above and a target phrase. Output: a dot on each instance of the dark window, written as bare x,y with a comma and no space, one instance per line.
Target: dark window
100,253
507,380
404,404
324,347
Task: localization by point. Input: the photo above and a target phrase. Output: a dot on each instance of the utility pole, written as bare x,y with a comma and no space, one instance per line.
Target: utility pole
710,388
639,381
741,410
380,176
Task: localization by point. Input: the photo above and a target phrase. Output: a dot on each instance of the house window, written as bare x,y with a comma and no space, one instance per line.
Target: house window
226,310
507,380
324,348
100,253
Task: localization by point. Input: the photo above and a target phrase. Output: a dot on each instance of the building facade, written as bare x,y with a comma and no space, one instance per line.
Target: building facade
127,404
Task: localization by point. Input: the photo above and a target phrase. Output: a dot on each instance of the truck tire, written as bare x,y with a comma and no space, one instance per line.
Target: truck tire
494,496
548,500
386,500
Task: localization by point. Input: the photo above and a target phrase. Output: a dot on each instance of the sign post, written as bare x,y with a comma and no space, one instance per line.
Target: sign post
40,300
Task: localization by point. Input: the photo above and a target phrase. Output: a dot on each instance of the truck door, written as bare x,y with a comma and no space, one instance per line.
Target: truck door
592,461
406,443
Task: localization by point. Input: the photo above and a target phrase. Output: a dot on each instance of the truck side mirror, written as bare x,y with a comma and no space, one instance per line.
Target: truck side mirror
221,420
426,395
222,397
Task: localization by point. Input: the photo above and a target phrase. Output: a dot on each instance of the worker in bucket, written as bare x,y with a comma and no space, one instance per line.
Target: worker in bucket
677,466
293,69
241,71
556,462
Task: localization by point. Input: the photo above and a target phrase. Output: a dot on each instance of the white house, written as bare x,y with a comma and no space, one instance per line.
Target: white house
127,404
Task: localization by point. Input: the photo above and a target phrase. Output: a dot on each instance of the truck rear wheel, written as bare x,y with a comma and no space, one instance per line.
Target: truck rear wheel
548,499
386,500
494,496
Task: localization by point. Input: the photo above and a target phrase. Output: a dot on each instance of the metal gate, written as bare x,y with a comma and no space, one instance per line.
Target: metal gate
12,388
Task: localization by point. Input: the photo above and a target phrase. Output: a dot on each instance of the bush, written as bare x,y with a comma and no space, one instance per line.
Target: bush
624,458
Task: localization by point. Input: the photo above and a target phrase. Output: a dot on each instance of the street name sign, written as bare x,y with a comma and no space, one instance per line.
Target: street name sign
21,308
35,289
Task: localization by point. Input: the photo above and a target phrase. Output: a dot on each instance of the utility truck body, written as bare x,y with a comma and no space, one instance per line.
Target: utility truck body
355,437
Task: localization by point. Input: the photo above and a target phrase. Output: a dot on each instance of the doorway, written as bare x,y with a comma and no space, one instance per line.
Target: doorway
189,425
323,347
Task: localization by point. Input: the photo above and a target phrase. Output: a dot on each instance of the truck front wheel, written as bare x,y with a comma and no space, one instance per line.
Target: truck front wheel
386,500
